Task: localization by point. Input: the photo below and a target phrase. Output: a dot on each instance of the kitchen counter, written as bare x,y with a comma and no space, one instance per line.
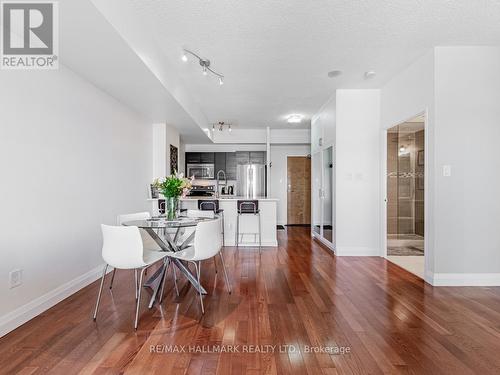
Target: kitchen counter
229,198
248,222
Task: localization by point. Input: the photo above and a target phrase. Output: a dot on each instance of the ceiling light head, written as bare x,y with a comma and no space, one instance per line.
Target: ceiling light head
370,74
334,73
205,64
294,119
229,128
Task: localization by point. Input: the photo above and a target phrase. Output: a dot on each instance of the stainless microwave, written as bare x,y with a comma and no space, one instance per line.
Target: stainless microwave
201,171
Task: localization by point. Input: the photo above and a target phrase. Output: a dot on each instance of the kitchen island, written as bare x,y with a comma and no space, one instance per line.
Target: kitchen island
248,222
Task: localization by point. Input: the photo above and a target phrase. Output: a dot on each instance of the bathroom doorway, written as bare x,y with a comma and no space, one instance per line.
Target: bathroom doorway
406,194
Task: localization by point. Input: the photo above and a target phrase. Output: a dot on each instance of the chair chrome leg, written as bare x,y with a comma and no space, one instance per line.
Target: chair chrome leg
225,272
139,299
237,229
260,236
198,272
100,292
135,285
165,272
175,280
112,279
223,227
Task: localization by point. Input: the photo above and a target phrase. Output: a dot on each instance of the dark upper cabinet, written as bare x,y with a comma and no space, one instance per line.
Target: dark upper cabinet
257,157
231,165
220,162
193,157
242,157
207,157
200,157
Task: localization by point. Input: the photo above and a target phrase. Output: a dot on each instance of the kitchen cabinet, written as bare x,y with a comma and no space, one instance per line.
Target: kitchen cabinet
231,165
242,157
193,157
251,157
207,157
257,157
220,162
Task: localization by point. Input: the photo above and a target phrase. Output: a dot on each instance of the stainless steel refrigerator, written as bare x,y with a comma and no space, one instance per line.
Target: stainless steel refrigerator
251,180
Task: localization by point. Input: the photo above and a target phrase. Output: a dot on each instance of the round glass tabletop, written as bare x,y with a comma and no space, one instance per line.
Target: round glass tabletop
162,222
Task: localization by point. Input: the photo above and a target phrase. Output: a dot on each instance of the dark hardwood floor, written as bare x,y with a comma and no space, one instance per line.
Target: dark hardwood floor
384,319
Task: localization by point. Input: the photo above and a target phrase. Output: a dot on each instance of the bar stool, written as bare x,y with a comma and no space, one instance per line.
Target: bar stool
212,205
247,207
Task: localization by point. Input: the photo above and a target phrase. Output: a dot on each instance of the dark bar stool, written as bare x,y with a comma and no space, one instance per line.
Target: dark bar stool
247,207
212,205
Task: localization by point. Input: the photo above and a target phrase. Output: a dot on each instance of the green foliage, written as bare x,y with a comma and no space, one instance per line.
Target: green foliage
174,185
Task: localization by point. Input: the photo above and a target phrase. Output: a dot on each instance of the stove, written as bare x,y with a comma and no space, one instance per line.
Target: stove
202,191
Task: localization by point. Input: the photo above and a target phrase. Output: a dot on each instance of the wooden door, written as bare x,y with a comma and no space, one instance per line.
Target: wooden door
299,190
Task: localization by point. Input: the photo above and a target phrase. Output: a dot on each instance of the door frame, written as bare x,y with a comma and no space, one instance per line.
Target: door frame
383,189
310,172
320,237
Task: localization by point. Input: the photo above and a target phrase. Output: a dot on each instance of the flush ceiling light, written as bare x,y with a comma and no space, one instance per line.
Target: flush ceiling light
205,64
370,74
294,119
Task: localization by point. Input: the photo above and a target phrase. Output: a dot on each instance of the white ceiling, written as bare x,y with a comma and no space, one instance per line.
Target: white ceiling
275,55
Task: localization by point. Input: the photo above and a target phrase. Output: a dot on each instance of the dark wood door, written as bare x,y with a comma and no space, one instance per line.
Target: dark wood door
299,190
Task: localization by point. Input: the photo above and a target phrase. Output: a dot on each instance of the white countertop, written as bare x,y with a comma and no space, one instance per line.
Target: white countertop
229,198
222,198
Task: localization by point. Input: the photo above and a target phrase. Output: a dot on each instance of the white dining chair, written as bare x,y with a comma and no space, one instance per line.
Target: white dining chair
207,244
123,219
123,249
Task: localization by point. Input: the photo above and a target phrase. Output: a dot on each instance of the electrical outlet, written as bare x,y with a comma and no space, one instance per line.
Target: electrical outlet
15,278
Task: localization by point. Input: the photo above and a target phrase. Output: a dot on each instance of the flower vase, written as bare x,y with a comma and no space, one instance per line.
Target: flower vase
172,208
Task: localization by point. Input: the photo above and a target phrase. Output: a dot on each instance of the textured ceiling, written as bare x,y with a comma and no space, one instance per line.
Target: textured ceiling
276,54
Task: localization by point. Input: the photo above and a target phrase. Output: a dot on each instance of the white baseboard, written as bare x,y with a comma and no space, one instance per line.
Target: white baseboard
357,251
463,279
22,314
252,244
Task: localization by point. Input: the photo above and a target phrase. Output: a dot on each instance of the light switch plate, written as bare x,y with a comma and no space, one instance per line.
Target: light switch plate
15,278
446,170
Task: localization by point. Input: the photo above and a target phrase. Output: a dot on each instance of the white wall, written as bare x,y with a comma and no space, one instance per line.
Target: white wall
357,153
467,134
409,93
278,175
256,136
163,136
71,158
459,87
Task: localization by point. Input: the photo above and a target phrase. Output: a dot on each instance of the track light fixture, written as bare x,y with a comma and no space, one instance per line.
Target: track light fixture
205,64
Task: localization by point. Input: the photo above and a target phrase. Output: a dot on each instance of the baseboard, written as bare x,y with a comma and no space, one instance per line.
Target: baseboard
251,244
22,314
357,251
463,279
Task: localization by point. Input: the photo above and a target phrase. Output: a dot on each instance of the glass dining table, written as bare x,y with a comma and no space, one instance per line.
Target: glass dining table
167,235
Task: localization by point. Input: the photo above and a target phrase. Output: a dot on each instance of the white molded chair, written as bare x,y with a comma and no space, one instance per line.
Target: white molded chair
123,248
207,244
123,219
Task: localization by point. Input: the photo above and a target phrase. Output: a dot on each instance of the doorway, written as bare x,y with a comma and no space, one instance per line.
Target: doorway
406,194
298,190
